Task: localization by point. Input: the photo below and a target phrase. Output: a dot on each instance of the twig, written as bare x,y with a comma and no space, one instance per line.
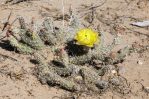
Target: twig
7,22
63,11
145,89
9,57
15,1
137,32
93,7
92,15
8,31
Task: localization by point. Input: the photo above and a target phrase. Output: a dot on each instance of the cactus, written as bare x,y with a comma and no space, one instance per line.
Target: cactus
69,58
21,48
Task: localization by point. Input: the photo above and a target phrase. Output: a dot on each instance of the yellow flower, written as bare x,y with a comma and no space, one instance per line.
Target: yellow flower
86,37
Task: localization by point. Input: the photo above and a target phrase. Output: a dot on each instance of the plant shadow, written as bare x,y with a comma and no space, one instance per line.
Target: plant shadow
4,44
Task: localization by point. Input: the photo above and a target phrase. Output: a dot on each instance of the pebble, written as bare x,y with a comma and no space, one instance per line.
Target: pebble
139,62
114,72
78,79
147,89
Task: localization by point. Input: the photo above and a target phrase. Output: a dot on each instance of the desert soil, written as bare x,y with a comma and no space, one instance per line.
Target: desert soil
17,79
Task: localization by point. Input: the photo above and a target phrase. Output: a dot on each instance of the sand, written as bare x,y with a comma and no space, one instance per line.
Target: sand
17,80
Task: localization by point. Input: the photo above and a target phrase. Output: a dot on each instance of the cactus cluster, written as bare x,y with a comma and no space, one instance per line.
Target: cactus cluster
72,66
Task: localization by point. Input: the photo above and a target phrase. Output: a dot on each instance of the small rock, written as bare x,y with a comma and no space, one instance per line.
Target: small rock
139,62
114,72
78,79
146,89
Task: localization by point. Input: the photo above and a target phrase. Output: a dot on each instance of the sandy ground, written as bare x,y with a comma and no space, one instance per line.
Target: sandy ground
17,80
